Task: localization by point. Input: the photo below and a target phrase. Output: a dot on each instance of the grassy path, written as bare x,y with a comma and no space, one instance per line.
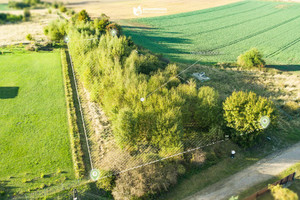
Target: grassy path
259,172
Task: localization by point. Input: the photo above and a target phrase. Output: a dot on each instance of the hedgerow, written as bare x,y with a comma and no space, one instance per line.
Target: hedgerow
77,153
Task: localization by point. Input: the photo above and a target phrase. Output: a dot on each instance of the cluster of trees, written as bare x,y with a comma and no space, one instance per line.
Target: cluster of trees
10,18
148,106
56,30
23,4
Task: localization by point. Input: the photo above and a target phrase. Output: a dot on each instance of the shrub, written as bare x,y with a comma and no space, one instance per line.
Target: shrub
280,193
83,16
106,180
62,9
5,18
251,58
242,112
17,5
27,14
55,5
29,37
56,30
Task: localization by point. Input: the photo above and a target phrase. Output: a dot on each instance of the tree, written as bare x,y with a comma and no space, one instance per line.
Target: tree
251,58
62,9
208,110
243,111
56,30
83,16
280,193
106,180
26,14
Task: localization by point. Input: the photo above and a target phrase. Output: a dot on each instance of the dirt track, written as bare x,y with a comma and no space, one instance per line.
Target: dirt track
259,172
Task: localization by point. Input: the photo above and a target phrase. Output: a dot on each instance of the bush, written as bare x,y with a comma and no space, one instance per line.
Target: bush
251,58
242,112
27,14
10,18
29,37
83,16
280,193
17,5
56,30
62,9
106,180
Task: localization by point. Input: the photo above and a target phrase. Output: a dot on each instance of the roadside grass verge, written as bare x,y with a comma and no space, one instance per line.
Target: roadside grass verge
35,144
294,187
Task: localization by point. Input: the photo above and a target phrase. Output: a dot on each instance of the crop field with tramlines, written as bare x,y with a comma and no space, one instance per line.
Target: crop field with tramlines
221,34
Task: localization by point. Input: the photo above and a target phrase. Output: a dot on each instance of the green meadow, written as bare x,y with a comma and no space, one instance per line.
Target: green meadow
34,140
4,7
222,33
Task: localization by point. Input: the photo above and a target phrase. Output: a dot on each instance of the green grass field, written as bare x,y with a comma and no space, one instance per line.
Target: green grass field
220,34
34,137
4,7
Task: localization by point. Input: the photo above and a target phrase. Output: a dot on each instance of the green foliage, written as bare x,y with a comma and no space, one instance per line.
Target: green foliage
209,109
106,180
280,193
114,29
29,37
18,5
26,15
62,9
83,16
251,58
10,18
242,112
56,30
23,4
77,152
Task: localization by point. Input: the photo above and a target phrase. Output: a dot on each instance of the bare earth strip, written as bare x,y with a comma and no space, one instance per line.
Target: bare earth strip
123,9
16,33
257,173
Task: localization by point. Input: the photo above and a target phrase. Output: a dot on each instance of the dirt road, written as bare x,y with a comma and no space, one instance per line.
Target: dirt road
259,172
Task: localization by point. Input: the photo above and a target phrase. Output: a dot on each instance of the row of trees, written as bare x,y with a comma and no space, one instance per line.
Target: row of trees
148,106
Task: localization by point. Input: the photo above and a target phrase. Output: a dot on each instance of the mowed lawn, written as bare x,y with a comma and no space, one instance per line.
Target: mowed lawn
34,139
222,33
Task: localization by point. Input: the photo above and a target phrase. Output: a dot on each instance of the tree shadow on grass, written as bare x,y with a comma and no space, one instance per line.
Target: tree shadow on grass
8,92
287,68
